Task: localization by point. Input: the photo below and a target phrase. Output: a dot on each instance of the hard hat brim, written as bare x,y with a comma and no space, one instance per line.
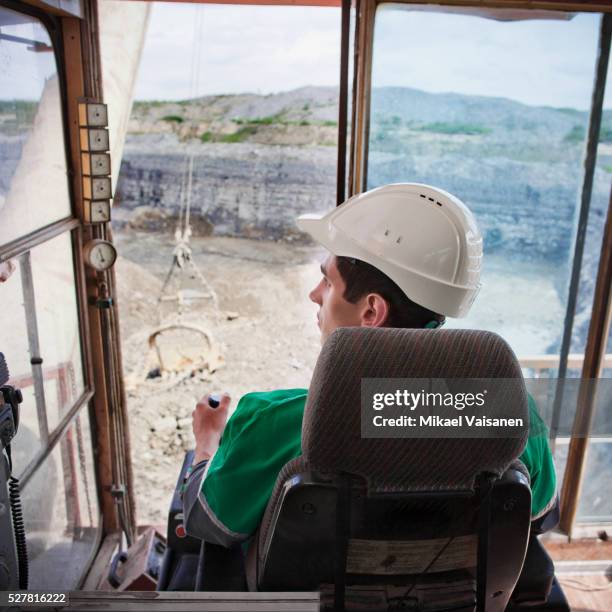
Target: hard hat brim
314,225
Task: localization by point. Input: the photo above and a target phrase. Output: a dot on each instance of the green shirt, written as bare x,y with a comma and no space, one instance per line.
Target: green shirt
265,432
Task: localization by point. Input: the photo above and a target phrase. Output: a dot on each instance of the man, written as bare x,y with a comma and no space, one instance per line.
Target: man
402,255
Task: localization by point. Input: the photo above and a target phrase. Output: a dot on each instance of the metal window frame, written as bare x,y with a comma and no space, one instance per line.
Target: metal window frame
22,246
364,38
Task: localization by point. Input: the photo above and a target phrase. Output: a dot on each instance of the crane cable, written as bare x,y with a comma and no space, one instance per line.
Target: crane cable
183,230
182,255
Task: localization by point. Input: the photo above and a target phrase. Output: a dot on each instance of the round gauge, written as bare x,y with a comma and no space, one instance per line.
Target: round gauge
99,254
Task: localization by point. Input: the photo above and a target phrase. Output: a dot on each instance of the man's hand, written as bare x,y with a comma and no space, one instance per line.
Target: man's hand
6,269
208,425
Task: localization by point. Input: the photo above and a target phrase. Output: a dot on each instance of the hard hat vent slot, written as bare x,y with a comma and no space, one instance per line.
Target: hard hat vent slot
430,199
398,240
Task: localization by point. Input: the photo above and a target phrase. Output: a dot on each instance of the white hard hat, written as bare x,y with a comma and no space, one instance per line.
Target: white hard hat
424,239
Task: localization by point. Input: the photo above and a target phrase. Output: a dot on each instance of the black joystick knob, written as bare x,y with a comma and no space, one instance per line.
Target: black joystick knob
214,400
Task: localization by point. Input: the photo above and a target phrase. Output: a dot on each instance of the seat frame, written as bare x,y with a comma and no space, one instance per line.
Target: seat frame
317,515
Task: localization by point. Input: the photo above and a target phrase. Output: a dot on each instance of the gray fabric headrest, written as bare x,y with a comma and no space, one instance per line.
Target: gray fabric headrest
331,434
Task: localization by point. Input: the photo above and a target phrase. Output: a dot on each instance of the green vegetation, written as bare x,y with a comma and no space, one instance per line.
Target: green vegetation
271,120
265,120
330,123
607,169
207,137
605,135
147,104
173,119
20,113
239,136
567,111
304,122
306,107
576,134
442,127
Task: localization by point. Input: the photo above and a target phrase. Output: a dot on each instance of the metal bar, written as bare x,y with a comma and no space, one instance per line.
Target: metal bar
351,169
363,86
599,329
585,204
550,362
343,102
29,305
37,45
598,6
21,245
368,42
54,438
118,361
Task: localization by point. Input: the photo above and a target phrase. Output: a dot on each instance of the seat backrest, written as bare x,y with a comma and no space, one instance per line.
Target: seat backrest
388,508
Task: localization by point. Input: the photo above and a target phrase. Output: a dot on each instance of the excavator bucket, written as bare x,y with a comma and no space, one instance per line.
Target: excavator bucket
181,347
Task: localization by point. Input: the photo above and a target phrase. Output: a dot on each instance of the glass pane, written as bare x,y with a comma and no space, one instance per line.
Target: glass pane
33,180
595,505
58,325
14,345
493,110
61,512
260,125
58,338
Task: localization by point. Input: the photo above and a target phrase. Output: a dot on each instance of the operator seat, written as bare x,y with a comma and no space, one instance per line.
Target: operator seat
427,523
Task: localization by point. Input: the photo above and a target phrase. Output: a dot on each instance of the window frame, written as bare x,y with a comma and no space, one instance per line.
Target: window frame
359,145
23,245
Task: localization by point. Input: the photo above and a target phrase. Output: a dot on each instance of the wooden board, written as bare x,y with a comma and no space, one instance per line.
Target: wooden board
188,602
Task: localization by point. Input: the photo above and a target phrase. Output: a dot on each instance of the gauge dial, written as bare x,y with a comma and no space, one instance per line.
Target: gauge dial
97,211
100,254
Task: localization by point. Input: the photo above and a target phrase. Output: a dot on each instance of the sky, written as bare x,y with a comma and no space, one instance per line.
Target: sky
270,49
267,49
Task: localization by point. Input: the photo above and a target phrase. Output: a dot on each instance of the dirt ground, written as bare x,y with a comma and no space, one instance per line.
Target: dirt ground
265,331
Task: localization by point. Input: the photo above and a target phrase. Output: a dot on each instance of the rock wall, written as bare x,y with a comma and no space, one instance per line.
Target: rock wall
239,189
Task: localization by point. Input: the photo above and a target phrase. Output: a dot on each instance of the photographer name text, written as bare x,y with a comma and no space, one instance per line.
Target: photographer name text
427,400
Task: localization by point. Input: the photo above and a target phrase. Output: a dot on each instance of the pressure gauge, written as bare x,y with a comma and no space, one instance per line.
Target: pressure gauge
97,211
99,254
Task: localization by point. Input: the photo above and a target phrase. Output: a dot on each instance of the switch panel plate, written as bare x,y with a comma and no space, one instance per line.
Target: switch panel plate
94,139
97,188
96,164
93,114
97,211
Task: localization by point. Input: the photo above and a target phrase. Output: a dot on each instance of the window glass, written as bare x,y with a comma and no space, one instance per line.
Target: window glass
33,176
58,325
61,514
495,111
14,345
255,117
594,504
55,312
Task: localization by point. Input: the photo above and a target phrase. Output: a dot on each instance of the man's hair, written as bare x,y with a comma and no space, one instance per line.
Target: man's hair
362,278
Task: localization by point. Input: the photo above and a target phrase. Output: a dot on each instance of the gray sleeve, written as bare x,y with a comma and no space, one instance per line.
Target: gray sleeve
200,521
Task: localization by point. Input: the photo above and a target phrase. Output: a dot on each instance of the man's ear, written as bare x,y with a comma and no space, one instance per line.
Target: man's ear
375,311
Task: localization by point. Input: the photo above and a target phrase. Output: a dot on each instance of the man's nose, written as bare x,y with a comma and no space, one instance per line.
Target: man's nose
315,294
